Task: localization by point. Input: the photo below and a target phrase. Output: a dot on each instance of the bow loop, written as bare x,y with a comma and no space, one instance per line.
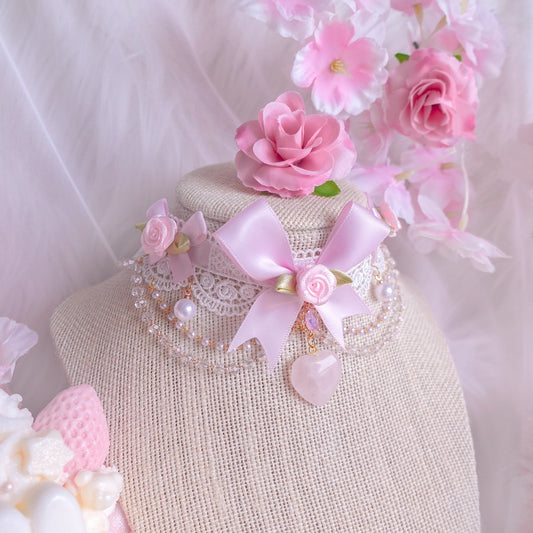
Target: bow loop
258,244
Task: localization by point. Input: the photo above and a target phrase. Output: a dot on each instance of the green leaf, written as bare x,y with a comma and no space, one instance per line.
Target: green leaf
401,57
329,188
140,227
459,57
341,277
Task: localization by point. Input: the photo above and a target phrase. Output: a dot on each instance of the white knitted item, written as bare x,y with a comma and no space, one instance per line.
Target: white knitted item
390,452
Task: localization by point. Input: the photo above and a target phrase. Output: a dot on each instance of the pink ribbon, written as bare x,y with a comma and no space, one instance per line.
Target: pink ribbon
182,265
256,241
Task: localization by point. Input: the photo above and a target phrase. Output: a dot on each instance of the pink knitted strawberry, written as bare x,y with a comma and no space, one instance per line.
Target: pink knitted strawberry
78,415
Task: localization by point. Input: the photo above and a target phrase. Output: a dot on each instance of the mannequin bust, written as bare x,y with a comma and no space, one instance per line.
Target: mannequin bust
212,441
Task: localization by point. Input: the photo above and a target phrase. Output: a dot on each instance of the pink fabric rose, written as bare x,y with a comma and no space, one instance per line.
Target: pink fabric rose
289,153
432,98
315,284
157,236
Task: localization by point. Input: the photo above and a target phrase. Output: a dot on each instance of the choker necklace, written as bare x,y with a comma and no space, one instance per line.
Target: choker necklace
184,313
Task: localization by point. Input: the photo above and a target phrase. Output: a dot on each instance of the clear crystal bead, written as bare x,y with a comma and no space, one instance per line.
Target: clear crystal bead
140,304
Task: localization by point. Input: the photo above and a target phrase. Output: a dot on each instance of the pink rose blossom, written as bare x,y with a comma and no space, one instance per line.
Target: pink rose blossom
15,340
432,98
159,232
346,74
289,153
315,284
290,18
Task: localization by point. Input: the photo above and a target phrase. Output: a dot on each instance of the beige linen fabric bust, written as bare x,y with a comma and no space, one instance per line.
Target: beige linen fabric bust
390,452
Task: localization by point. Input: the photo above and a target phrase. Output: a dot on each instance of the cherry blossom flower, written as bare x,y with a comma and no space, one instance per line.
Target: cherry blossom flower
383,184
15,340
290,18
436,173
371,135
346,73
436,231
475,35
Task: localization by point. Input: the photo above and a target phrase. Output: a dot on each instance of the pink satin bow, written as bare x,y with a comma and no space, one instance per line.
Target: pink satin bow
256,241
182,265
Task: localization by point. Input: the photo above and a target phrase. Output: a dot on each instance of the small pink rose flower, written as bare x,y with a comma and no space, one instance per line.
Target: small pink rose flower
432,99
289,153
346,73
315,284
157,236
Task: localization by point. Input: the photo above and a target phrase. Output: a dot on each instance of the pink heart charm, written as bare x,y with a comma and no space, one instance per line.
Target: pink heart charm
315,377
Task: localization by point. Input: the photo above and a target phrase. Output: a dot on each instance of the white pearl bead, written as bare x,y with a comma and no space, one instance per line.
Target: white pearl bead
384,292
185,309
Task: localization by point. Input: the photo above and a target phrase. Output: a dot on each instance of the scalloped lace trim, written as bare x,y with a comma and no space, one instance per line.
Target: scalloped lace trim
225,290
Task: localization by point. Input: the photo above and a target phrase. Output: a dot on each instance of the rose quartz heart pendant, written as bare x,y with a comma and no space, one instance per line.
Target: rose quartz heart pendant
315,377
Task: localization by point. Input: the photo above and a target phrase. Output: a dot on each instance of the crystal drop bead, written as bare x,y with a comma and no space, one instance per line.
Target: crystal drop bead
311,320
156,295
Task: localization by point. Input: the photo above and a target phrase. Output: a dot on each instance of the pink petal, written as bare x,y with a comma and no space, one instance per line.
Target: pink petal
317,163
265,153
292,100
327,95
306,67
247,134
333,38
399,200
159,208
270,115
329,131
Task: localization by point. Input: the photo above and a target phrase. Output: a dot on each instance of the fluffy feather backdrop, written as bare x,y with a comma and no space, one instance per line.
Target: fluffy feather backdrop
104,105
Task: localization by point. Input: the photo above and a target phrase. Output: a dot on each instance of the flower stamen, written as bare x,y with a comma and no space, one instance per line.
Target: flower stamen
338,67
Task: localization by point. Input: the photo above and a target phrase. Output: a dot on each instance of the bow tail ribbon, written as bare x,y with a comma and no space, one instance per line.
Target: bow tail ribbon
343,303
270,321
180,266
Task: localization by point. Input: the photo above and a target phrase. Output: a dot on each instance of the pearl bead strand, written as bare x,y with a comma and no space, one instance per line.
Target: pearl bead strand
386,291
